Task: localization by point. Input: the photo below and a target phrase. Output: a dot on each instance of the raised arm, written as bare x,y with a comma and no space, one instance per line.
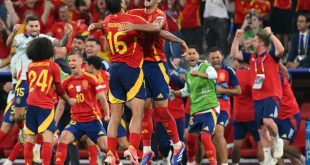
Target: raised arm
64,40
235,52
11,11
276,42
11,42
172,38
48,7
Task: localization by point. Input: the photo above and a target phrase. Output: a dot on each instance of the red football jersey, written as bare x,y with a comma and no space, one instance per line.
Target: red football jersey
242,8
268,65
41,76
243,104
289,106
124,46
153,44
103,80
190,16
84,89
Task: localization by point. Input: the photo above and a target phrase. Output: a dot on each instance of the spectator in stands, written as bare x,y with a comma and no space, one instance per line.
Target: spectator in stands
98,10
216,24
252,25
280,20
299,54
242,8
190,23
4,50
78,43
173,49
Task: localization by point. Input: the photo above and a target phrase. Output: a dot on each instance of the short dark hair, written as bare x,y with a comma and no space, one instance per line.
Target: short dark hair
193,47
40,49
95,61
94,40
305,15
214,49
264,37
32,18
114,6
79,37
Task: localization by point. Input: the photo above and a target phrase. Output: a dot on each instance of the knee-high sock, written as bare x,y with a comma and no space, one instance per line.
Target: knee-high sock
28,154
192,147
147,127
168,122
92,154
209,148
16,150
61,153
46,153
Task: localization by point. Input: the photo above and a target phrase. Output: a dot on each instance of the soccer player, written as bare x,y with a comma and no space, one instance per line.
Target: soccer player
201,87
126,76
156,79
93,66
21,42
243,117
288,120
85,118
227,85
266,87
42,75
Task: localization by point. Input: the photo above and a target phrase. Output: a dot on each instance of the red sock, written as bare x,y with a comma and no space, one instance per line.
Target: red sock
192,146
2,135
168,122
209,147
28,154
46,153
111,146
134,140
61,154
21,125
92,154
147,127
15,151
39,139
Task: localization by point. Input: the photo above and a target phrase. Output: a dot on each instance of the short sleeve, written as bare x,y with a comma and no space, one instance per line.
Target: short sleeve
56,73
273,55
233,80
246,56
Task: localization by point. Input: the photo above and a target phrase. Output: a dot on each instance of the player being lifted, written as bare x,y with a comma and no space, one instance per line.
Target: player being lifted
126,76
42,76
157,80
85,118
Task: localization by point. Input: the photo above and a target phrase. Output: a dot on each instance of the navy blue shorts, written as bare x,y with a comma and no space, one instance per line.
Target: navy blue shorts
93,129
223,118
21,93
288,127
121,131
9,113
156,80
204,122
266,108
125,83
242,128
39,120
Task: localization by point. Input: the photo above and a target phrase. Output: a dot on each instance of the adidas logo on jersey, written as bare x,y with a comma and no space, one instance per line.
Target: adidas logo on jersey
71,86
144,131
284,136
160,96
206,128
101,133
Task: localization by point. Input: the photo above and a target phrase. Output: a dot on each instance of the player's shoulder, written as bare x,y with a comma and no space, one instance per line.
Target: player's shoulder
20,36
136,17
90,77
159,11
67,79
135,11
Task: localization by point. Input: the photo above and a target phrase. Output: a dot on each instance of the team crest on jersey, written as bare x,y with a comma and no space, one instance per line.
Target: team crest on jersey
78,88
85,84
11,118
222,76
18,100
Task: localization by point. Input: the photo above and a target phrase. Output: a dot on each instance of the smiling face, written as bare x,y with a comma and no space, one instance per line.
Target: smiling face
216,59
192,57
92,48
75,62
33,28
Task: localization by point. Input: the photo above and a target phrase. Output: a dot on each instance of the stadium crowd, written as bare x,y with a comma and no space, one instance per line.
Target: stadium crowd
152,79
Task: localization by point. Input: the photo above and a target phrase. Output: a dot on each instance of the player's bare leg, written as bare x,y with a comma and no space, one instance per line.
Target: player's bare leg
5,128
117,110
122,143
66,138
19,114
278,142
266,143
293,153
137,106
220,144
236,151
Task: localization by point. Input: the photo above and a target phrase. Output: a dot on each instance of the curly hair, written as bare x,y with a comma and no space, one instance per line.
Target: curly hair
40,49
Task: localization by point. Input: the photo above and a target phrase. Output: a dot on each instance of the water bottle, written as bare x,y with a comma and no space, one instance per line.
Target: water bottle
308,142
